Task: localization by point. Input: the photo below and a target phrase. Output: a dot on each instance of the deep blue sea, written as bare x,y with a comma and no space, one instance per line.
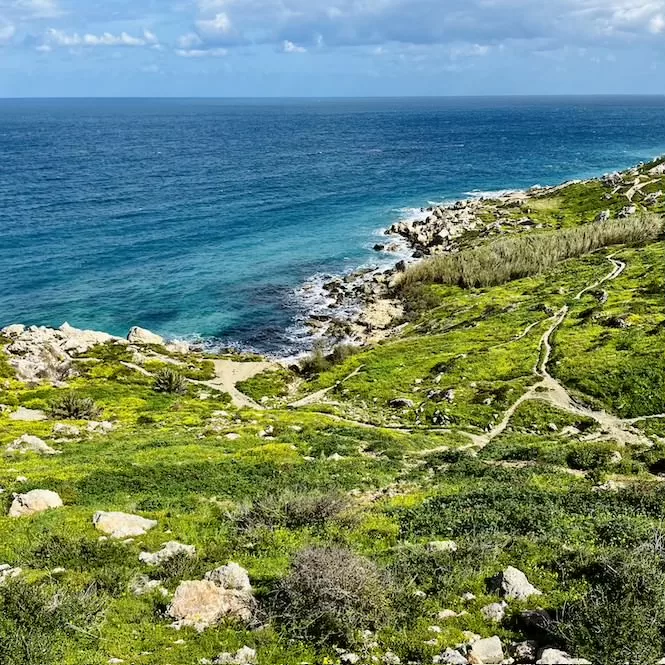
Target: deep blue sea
202,217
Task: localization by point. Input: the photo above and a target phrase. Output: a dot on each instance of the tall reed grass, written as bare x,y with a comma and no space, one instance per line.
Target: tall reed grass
521,256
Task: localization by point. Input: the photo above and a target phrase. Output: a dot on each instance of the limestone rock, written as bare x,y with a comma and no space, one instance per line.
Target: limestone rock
31,444
230,576
442,546
14,330
513,583
557,657
524,652
27,415
142,336
101,427
495,611
244,656
168,551
122,525
201,604
35,501
7,572
143,585
486,651
66,431
450,657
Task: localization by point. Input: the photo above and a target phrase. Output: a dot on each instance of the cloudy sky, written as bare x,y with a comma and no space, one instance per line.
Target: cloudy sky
330,47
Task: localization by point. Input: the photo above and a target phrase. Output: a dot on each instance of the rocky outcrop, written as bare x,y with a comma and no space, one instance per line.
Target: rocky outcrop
31,444
122,525
35,501
230,576
38,353
487,651
557,657
169,551
142,336
512,583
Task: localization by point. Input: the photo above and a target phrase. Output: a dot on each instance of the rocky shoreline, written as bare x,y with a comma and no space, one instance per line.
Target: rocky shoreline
361,308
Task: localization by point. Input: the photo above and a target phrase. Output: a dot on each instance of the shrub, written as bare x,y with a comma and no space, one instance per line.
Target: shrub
36,619
517,257
170,381
293,510
330,594
622,617
318,361
71,406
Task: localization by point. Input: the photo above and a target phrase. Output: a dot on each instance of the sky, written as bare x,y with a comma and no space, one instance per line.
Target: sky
283,48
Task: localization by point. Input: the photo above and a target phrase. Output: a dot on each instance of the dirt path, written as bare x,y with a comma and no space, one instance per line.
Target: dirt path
320,394
229,372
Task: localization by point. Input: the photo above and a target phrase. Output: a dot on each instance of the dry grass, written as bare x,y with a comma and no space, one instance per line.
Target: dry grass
517,257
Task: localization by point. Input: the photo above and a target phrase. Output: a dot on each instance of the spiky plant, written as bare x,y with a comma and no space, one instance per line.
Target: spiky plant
71,406
170,381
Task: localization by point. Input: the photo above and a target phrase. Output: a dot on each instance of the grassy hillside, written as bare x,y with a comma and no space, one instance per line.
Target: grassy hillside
521,419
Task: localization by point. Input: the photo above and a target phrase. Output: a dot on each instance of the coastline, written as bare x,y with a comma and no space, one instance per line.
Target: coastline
360,307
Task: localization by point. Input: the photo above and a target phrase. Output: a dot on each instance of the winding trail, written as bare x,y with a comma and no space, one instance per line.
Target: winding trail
230,372
313,398
547,389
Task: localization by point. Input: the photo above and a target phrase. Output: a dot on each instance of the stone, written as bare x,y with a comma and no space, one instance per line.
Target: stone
31,444
179,346
66,431
27,415
122,525
494,612
244,656
486,651
7,572
102,427
201,604
143,585
142,336
442,546
524,652
230,576
604,216
468,597
512,583
232,436
35,501
450,657
168,551
14,330
557,657
443,615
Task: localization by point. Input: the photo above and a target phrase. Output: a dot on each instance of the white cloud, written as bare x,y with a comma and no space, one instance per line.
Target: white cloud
60,38
220,24
201,53
7,32
657,24
290,47
189,40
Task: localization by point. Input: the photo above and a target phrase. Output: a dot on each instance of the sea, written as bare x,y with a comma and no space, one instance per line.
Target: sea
202,219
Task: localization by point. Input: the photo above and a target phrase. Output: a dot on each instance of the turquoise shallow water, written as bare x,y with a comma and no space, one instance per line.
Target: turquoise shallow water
200,218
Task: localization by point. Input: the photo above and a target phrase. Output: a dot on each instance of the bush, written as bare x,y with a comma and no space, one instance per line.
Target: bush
170,381
330,594
71,406
293,510
517,257
318,361
622,617
36,619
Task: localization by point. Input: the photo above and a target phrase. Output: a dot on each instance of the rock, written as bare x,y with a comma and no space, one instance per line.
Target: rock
401,403
468,597
232,436
7,572
168,551
449,395
381,314
35,501
513,583
201,604
442,546
115,661
180,346
627,212
142,336
487,651
495,611
66,431
444,615
524,652
143,585
603,216
230,576
552,427
245,656
122,525
450,657
379,248
14,330
27,415
103,427
31,444
557,657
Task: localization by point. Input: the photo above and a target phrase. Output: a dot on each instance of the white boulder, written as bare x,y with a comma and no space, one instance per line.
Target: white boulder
142,336
31,444
168,551
7,572
35,501
557,657
513,583
244,656
27,415
230,576
122,525
486,651
442,546
66,431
